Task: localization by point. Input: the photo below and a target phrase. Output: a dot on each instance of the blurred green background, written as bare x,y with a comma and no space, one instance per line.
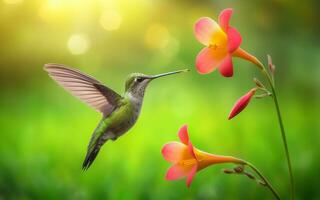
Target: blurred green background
45,131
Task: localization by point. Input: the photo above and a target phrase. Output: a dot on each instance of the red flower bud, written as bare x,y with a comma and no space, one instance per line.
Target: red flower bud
242,103
272,67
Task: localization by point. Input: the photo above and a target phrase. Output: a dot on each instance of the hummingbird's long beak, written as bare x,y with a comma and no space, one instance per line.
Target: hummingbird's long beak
168,73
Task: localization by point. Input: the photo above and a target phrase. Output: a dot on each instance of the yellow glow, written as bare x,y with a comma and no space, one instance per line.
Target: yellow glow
12,1
54,4
110,20
78,44
157,36
50,11
59,11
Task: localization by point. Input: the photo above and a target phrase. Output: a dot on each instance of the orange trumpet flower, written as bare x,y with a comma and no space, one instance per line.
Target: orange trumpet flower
187,160
222,43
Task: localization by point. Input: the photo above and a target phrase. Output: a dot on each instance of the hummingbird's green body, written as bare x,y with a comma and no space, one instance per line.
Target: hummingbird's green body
120,113
113,126
117,123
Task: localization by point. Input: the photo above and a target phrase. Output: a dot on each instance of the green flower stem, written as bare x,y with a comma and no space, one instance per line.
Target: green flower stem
283,134
264,179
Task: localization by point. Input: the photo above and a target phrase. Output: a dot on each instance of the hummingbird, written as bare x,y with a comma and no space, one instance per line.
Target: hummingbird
119,113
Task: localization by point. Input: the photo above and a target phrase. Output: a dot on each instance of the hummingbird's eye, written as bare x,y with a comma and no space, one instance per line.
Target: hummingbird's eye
139,79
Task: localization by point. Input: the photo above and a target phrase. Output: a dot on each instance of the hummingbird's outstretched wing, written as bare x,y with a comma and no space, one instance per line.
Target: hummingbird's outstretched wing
86,88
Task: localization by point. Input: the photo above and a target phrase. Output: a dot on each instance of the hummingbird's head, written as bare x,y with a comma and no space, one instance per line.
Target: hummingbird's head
136,83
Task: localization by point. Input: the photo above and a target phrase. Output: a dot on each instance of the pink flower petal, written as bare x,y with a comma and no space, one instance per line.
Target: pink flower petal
205,29
234,39
191,175
191,150
184,138
178,171
224,18
226,67
241,103
183,134
175,151
209,58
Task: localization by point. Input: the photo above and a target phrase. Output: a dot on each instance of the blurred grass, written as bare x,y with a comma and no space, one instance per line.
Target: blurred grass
45,131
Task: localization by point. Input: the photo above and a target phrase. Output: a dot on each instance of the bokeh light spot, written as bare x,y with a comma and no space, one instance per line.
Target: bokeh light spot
110,20
157,36
78,44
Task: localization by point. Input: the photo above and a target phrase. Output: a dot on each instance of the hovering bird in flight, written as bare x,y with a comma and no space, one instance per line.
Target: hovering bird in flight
119,112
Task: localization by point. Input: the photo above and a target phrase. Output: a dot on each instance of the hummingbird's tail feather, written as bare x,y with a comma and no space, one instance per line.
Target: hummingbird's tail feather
90,157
